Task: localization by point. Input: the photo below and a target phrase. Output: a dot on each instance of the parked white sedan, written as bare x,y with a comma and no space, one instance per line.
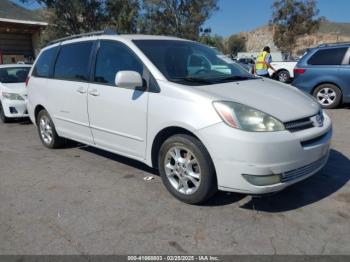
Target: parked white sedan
13,93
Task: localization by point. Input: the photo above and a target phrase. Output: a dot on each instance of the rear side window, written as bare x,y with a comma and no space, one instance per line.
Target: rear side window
44,63
333,56
73,62
113,57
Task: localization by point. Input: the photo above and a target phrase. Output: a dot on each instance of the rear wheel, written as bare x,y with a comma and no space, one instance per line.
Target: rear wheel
47,131
283,76
3,118
186,169
328,95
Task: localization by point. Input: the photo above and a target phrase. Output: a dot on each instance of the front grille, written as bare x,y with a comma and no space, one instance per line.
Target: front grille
303,171
298,125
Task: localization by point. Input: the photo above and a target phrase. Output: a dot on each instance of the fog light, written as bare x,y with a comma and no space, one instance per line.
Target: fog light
263,180
13,110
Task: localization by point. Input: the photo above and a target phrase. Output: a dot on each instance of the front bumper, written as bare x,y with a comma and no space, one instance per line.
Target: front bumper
292,156
15,108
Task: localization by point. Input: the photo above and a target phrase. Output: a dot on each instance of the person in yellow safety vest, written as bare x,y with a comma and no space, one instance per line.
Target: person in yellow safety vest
263,63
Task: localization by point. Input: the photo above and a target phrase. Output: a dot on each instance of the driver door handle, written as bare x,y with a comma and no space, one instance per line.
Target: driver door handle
81,90
94,92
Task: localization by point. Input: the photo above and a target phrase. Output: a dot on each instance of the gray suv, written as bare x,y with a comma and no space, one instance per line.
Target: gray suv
324,72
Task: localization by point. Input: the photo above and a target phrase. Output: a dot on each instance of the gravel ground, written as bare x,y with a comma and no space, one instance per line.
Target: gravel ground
80,200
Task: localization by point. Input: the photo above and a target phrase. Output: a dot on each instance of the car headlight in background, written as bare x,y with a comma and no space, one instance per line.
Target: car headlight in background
247,118
12,96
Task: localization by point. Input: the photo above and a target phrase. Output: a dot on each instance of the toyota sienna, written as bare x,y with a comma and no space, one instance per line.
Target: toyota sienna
175,105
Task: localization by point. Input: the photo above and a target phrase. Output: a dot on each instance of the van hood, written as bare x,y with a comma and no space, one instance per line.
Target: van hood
18,88
281,101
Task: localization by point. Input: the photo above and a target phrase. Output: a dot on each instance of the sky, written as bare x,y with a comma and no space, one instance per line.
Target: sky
235,16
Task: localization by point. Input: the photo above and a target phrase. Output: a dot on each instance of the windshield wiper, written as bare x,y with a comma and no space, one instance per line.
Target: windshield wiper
236,78
192,79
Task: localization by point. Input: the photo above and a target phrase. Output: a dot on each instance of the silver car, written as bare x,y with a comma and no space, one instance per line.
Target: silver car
175,105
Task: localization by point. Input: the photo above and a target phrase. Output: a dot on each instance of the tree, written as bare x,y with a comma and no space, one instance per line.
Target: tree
67,17
291,19
214,41
74,16
182,18
235,44
123,15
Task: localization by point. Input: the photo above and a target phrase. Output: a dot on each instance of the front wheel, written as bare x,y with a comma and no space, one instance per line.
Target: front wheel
186,169
3,118
47,131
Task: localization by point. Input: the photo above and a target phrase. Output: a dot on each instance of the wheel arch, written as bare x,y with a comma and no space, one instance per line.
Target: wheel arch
37,109
281,70
163,135
330,83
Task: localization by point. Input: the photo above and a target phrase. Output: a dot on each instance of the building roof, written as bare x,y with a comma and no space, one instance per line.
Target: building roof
13,13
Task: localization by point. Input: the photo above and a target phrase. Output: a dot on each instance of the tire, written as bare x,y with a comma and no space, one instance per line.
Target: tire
283,76
197,172
328,95
3,118
47,131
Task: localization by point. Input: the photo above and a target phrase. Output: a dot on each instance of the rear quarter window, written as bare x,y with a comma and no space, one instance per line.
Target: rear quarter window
73,61
332,56
45,61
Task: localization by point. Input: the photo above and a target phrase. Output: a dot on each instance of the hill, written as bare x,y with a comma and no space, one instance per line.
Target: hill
331,27
329,32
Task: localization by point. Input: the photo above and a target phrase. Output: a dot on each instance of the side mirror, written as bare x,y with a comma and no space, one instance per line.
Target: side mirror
128,79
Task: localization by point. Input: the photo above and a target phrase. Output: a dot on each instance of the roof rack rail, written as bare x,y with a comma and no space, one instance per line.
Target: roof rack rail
102,32
334,44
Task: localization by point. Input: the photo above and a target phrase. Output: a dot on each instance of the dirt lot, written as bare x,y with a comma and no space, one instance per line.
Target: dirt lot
81,200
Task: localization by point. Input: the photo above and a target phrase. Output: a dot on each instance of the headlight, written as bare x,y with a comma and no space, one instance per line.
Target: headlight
11,96
247,118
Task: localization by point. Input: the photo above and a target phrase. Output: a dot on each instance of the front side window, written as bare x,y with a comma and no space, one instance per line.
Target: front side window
190,62
73,62
113,57
332,56
14,74
44,63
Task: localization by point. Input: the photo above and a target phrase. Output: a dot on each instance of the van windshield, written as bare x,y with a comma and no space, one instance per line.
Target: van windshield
10,75
190,62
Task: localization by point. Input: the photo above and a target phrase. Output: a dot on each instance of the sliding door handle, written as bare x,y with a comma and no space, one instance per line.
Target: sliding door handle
82,90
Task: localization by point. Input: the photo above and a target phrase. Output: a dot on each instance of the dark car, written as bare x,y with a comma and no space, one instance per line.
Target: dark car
324,72
246,60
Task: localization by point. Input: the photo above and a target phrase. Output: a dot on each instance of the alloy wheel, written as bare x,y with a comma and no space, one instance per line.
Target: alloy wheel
182,170
326,96
45,127
283,77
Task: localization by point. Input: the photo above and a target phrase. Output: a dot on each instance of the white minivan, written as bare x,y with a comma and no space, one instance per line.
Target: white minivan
206,126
